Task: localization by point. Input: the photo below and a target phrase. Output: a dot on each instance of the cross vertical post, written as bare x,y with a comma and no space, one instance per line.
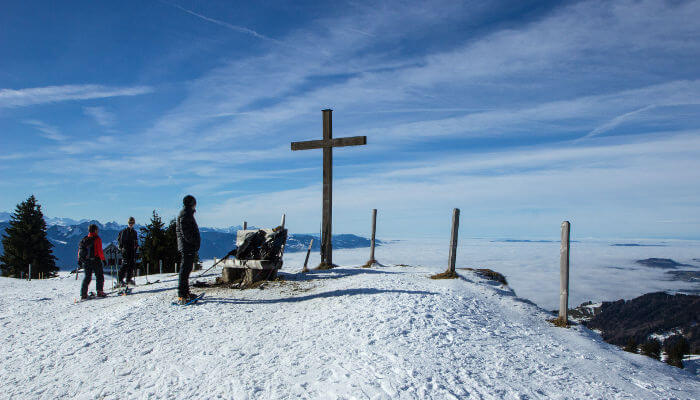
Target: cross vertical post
327,144
327,218
564,272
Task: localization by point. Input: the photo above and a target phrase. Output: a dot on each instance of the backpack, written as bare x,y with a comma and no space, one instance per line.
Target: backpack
86,250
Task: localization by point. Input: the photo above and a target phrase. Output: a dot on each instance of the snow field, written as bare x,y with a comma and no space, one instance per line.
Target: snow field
348,333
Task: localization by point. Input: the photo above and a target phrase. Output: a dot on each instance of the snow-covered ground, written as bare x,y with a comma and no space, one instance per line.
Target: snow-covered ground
347,333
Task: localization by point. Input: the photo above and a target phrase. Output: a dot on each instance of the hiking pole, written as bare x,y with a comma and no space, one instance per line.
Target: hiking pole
230,253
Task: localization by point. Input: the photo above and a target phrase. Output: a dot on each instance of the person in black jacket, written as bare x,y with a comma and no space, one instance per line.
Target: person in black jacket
128,244
188,241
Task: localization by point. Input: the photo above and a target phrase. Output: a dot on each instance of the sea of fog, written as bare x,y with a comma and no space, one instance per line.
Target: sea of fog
600,270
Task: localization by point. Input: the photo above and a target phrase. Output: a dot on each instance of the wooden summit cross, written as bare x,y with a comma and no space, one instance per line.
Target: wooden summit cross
327,145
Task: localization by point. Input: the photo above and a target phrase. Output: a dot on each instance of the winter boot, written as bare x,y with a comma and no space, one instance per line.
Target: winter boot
186,299
101,294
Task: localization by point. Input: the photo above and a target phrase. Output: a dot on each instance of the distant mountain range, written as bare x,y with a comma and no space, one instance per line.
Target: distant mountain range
65,234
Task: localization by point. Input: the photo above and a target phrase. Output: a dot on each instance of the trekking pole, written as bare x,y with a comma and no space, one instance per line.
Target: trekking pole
230,253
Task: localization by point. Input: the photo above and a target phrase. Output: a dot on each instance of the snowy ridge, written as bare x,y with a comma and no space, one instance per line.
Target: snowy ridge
345,333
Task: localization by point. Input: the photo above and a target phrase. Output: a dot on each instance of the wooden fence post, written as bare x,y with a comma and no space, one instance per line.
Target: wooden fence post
564,272
453,242
372,261
306,261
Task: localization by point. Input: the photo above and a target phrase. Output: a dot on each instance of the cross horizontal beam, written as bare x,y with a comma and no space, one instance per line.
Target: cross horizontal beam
339,142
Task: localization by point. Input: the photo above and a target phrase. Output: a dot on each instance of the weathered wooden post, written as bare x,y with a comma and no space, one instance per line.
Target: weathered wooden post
372,261
160,265
453,241
306,261
245,225
450,272
30,272
564,273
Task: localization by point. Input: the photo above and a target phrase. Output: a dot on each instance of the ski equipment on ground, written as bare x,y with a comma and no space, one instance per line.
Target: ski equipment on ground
230,253
189,303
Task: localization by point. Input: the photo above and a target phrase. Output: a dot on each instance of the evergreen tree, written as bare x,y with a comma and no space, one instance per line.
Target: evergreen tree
631,345
159,243
25,242
153,236
676,348
171,255
651,348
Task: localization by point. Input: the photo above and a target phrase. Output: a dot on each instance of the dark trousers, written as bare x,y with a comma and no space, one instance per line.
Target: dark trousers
127,268
96,267
183,288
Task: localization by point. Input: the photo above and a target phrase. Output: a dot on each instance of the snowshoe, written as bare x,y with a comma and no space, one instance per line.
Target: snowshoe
190,299
89,296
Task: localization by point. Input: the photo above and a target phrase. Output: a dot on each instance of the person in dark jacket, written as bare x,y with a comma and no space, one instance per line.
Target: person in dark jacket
188,241
128,244
94,264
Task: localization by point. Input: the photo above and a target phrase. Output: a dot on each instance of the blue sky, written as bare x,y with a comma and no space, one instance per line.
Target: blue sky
522,114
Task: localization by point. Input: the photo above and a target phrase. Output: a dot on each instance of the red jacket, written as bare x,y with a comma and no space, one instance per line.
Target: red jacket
98,246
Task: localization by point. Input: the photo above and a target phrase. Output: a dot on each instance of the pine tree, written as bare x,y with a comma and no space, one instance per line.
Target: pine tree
676,348
153,241
25,242
651,348
170,253
631,345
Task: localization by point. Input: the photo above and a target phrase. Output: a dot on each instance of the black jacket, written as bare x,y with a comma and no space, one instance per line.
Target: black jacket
128,240
188,239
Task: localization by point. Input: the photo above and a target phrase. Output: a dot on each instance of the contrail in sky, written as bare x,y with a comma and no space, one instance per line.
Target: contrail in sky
241,29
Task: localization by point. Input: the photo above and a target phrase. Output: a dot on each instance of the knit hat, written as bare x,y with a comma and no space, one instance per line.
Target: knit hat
189,201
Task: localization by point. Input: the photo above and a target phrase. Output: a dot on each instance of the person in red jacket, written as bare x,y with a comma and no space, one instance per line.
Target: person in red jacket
93,260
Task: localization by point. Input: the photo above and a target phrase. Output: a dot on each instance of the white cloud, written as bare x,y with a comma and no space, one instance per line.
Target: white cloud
101,115
52,94
619,188
47,131
237,28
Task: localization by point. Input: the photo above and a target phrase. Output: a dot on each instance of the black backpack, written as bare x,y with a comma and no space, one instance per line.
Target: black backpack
120,239
86,250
